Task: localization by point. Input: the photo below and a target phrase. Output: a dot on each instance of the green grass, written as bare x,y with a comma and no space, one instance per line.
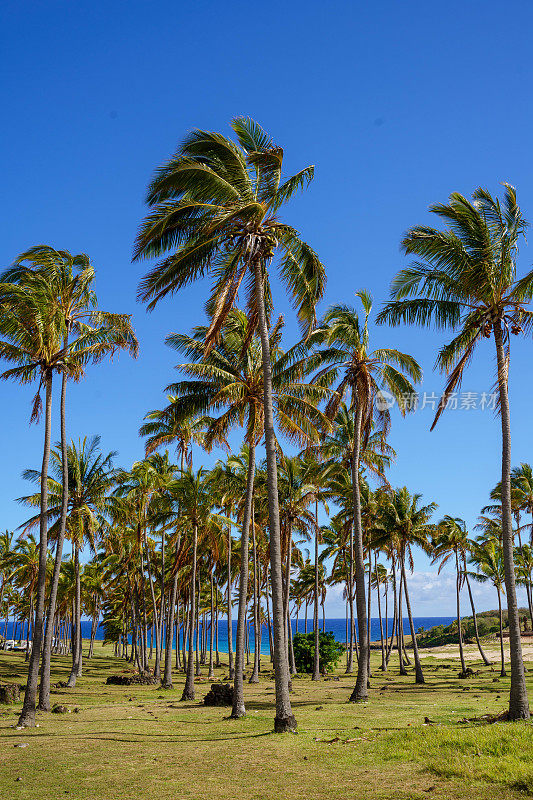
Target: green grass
130,742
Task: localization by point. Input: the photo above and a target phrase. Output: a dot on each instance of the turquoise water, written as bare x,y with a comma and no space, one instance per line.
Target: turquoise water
336,626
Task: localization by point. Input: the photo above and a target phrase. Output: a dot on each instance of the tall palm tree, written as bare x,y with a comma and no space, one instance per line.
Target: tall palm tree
227,384
31,339
64,282
344,358
467,282
407,523
215,206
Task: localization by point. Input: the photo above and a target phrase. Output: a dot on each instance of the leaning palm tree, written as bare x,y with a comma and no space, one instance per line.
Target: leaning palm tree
344,358
467,283
215,208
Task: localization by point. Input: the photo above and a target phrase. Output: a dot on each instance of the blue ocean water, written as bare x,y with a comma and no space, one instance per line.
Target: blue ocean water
335,626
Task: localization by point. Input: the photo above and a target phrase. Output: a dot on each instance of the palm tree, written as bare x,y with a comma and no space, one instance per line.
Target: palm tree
487,557
345,358
316,475
296,493
338,450
64,282
144,486
521,501
227,384
194,498
216,205
451,542
31,333
468,283
90,476
406,522
6,555
169,427
24,563
524,571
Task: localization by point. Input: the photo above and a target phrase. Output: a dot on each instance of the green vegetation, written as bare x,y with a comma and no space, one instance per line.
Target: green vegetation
330,651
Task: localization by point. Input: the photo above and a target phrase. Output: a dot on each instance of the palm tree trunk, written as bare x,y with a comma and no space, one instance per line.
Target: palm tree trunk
502,652
27,716
217,654
211,673
474,617
239,709
316,661
369,611
197,629
269,623
419,675
188,689
360,691
76,622
230,621
155,623
166,683
518,700
177,628
349,662
94,627
399,629
459,626
44,689
284,720
288,625
186,626
394,610
254,677
383,664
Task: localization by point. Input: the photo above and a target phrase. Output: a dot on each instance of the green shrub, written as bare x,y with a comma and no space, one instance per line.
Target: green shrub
329,651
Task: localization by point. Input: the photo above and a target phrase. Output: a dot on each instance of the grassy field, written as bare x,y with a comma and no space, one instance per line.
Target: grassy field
141,742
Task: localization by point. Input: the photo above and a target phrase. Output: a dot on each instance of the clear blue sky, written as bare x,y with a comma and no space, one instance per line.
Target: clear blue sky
396,103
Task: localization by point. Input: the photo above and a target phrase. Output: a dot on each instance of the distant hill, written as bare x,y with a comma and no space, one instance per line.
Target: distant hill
488,624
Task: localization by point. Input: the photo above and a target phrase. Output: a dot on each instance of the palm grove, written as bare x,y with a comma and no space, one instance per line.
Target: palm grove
175,547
